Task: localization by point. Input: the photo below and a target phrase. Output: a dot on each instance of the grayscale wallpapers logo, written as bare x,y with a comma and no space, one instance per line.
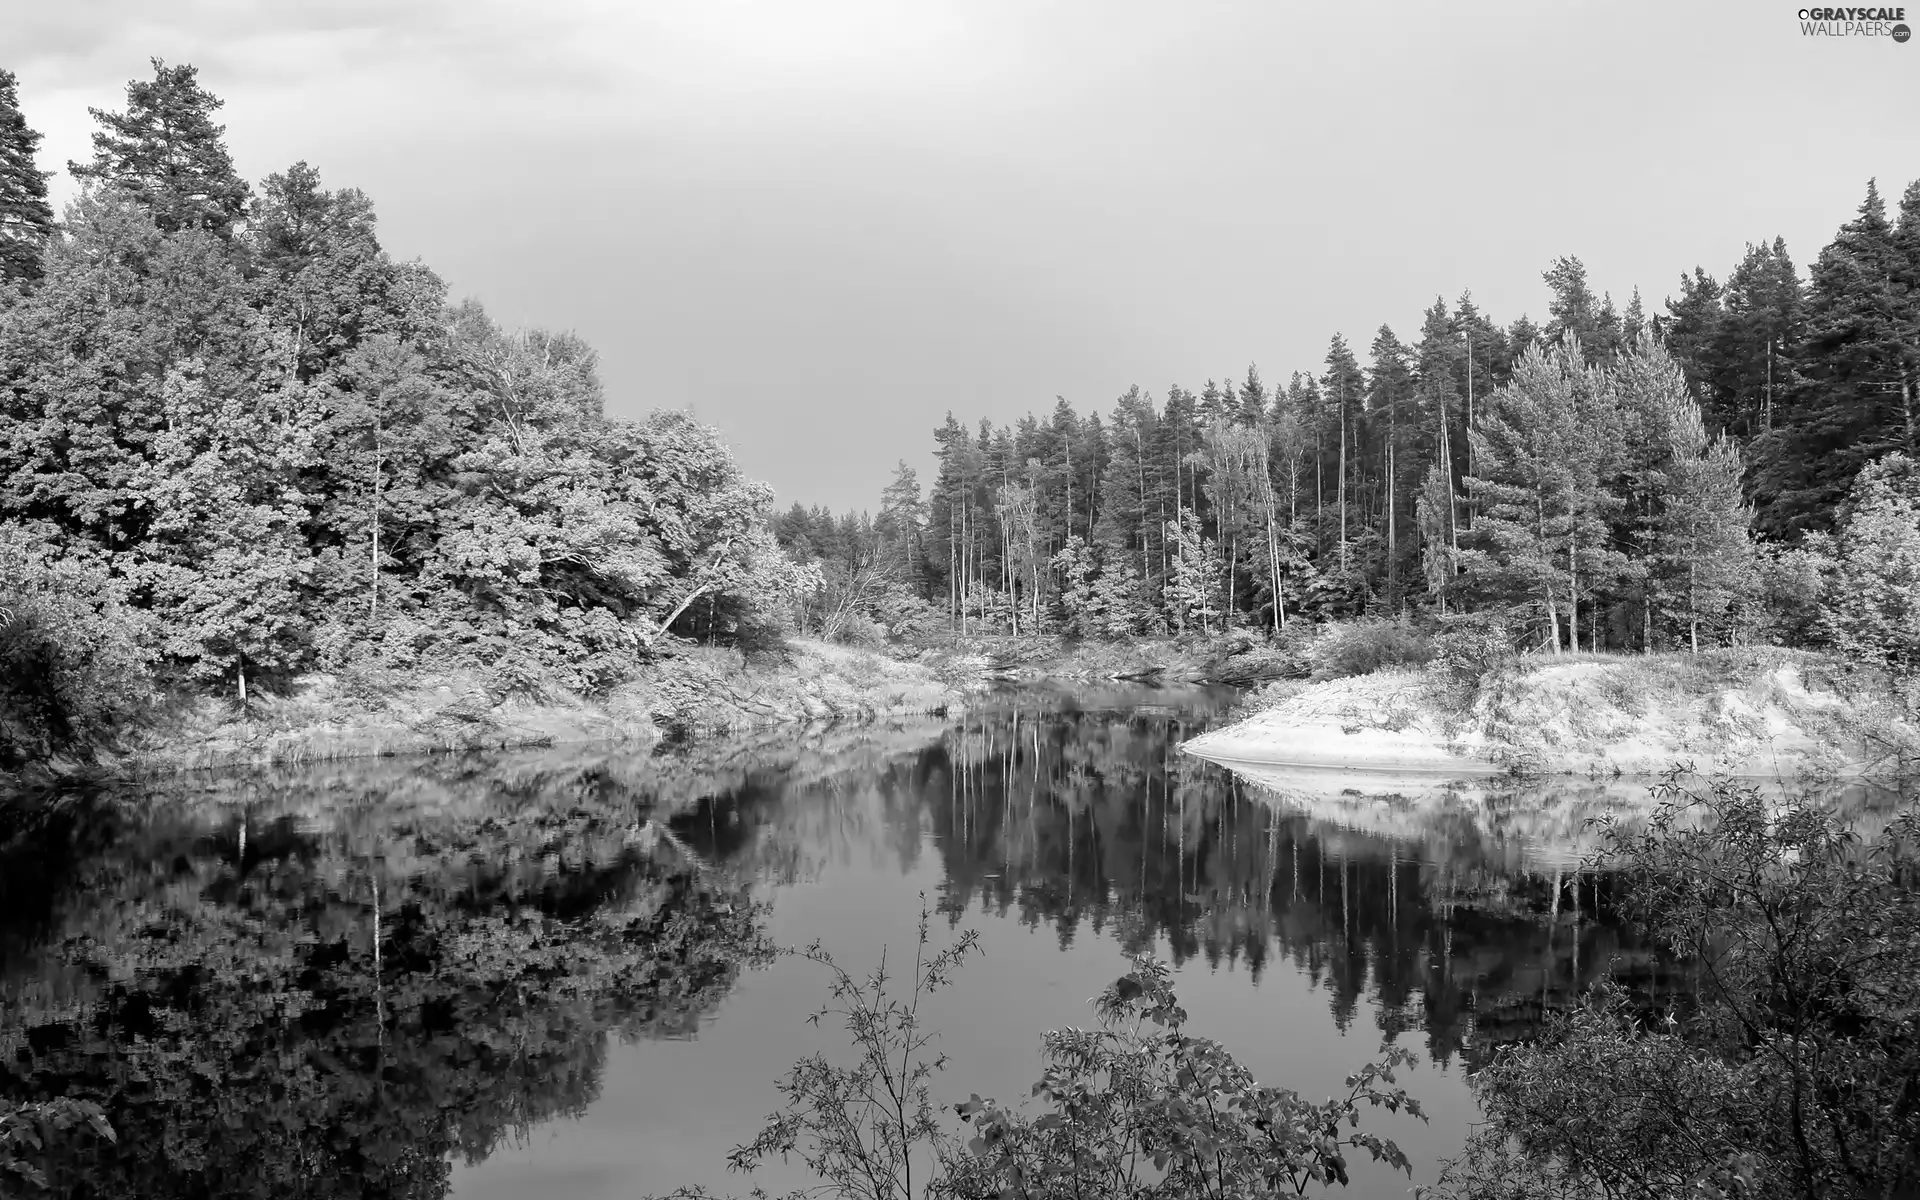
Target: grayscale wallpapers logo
1855,22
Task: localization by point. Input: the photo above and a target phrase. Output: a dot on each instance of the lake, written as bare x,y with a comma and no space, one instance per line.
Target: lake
553,973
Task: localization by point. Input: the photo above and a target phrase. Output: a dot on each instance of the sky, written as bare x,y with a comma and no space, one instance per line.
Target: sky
823,225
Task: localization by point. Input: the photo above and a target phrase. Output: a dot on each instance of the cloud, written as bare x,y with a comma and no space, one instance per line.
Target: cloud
780,209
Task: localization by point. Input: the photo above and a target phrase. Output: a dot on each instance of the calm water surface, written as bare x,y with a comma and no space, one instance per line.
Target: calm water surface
551,974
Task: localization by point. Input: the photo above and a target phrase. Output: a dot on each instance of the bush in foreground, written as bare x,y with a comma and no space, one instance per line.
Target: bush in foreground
1136,1108
1797,1075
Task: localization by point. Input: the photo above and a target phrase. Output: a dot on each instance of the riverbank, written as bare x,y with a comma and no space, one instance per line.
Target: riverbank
692,692
1753,712
1239,658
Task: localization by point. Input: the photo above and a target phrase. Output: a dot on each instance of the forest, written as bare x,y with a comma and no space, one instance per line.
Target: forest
240,441
1610,479
242,444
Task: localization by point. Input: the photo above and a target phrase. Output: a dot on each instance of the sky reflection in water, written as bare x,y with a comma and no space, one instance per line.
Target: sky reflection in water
573,998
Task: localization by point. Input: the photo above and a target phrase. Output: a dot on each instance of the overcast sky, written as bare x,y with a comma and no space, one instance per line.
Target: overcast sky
825,223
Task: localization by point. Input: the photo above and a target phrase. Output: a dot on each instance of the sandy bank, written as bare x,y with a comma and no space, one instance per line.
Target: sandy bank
695,692
1739,712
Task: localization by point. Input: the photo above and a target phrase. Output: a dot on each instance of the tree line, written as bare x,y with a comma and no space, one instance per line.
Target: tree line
239,440
1609,479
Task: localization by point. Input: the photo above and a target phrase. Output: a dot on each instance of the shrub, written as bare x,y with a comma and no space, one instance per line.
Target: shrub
73,667
1137,1108
1792,584
763,643
860,631
1467,648
1795,1074
1293,649
1142,1091
1367,645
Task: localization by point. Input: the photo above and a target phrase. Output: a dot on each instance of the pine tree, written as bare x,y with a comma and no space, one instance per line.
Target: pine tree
1432,513
1633,322
1690,328
1066,505
1542,450
1439,401
1178,435
166,150
902,519
1127,505
1705,550
1253,398
1653,392
1574,310
26,220
1760,330
1389,395
1522,334
1856,397
323,280
1343,389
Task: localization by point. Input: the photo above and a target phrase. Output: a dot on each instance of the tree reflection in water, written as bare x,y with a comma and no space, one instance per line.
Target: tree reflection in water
338,980
339,995
1459,909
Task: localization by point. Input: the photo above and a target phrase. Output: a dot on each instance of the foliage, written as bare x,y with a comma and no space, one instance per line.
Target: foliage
1141,1108
1593,481
73,668
1192,591
25,1130
1468,647
1470,651
1791,584
1138,1108
864,1129
1849,392
292,452
1368,645
1795,1074
344,1007
1604,1107
166,150
1872,601
26,220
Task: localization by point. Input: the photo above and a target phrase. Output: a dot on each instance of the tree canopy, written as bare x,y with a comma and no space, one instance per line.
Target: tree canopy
278,449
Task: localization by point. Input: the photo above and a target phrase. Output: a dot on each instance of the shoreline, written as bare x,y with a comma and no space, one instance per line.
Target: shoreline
693,694
1742,714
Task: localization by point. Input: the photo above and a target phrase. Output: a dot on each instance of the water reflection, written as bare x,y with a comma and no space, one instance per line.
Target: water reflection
366,979
1462,919
315,995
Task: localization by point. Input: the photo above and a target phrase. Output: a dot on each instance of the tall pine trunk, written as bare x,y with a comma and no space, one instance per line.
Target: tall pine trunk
1343,481
1546,581
1393,537
1573,597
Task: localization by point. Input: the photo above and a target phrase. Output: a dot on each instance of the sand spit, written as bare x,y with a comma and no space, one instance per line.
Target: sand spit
1739,713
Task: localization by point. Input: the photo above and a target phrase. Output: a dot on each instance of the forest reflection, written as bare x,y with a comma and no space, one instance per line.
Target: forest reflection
341,980
1460,910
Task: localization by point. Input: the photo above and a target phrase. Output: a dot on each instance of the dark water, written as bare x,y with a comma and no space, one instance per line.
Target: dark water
550,974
